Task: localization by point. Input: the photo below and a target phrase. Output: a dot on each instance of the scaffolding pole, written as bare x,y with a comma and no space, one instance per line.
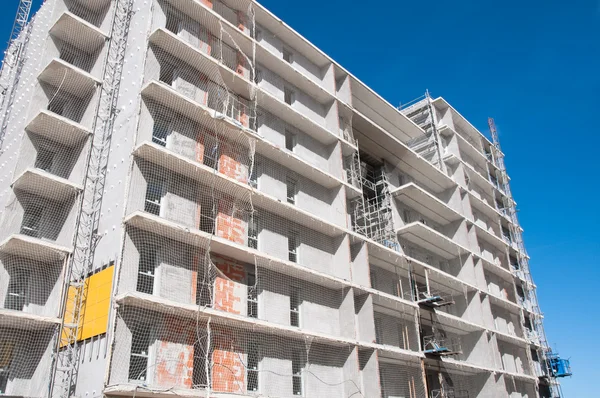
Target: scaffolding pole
12,64
87,237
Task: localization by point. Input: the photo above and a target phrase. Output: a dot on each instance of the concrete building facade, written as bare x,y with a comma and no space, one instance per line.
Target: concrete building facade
199,202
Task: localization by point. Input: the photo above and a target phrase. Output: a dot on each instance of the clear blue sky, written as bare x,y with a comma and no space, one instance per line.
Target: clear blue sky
533,65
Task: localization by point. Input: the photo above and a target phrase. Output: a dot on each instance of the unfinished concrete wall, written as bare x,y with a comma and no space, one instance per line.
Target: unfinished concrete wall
29,364
365,325
273,44
273,129
43,284
397,330
400,380
100,17
394,283
67,162
369,373
273,84
359,263
514,358
56,223
321,309
312,197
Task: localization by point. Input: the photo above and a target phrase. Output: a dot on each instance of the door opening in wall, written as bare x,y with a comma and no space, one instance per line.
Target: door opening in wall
167,73
291,190
294,306
147,269
288,55
6,357
293,246
154,194
253,232
289,96
252,368
252,297
140,349
16,296
290,140
32,218
161,131
297,378
44,159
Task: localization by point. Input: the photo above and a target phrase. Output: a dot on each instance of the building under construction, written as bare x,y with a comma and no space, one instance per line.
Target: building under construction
196,201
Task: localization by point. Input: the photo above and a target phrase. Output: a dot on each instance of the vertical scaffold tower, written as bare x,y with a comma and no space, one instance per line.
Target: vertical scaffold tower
522,268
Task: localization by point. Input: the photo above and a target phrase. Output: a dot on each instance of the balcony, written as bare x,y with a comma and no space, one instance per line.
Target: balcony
399,154
96,5
465,145
205,175
69,78
242,39
146,302
503,302
490,238
426,204
58,128
20,320
197,238
77,32
34,249
511,339
484,206
45,185
431,240
184,51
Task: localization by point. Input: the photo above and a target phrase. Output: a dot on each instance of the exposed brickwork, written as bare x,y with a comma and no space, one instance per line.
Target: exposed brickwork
228,226
242,69
230,164
241,21
228,371
230,293
200,146
175,359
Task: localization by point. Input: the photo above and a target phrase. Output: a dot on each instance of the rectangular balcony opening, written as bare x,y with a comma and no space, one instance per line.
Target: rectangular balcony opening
16,295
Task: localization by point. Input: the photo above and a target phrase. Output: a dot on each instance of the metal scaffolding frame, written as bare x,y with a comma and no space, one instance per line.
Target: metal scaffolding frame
12,64
87,237
523,263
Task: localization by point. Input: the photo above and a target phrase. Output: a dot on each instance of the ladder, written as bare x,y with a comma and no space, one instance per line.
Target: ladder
87,237
12,64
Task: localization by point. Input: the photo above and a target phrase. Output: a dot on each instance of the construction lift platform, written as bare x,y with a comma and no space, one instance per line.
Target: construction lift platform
558,366
434,301
439,347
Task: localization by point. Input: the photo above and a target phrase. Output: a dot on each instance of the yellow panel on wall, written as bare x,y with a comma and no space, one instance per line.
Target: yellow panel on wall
97,304
6,353
65,338
93,318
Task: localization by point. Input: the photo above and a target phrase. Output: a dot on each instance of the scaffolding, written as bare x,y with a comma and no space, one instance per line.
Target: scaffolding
12,64
521,266
87,236
372,212
428,145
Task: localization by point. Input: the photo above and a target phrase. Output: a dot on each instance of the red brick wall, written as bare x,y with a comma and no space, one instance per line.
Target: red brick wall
230,162
175,355
228,226
241,21
229,293
200,146
228,371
